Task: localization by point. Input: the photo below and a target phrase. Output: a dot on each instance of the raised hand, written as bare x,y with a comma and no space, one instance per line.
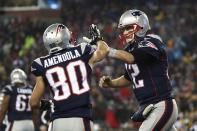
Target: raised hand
95,34
105,82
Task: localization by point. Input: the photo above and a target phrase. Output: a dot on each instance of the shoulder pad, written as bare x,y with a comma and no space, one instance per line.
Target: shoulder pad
9,87
83,46
86,45
38,61
155,36
37,67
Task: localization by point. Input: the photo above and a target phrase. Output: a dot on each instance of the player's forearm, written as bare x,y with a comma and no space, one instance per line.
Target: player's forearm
121,55
4,108
35,105
120,82
3,112
2,116
36,118
102,50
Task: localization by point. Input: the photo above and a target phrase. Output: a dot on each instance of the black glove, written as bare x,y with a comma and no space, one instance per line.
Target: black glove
2,127
142,113
94,34
45,104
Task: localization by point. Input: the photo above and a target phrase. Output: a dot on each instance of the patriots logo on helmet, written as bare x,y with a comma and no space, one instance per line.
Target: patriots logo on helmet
136,13
59,27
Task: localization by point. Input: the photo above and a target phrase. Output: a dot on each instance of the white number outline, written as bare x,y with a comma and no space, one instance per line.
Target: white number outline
21,104
69,85
136,72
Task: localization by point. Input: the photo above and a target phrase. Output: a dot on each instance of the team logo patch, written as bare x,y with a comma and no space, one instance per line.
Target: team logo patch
136,13
148,44
151,45
59,27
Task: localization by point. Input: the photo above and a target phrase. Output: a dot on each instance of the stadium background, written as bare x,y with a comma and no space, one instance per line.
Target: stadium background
22,23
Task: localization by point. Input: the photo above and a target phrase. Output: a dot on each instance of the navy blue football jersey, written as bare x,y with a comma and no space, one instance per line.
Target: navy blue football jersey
67,74
149,72
19,107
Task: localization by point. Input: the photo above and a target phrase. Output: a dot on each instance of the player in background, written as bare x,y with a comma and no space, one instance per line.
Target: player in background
66,70
146,68
16,103
5,120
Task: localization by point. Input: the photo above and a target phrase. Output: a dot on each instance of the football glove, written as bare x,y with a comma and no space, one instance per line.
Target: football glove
143,113
95,34
45,104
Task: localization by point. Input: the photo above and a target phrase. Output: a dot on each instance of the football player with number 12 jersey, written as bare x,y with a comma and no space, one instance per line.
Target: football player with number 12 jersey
146,68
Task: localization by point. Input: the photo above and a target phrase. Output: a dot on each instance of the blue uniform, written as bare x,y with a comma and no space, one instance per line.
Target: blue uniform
19,107
149,72
151,84
67,74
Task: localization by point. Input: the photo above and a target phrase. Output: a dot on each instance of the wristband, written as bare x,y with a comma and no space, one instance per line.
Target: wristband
112,52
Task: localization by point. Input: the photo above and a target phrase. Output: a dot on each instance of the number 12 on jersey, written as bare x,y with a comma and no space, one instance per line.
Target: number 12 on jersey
66,85
134,74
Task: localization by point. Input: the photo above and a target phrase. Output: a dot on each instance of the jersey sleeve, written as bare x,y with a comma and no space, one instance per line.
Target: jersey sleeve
37,68
7,90
146,51
87,50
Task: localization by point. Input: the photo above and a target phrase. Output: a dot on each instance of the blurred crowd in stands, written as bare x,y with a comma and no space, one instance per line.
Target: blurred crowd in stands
21,42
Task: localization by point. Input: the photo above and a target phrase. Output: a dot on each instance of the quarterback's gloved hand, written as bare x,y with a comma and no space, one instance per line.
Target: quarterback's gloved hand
143,113
45,104
94,34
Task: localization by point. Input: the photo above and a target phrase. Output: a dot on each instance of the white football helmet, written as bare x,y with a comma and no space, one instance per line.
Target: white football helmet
18,76
135,19
56,37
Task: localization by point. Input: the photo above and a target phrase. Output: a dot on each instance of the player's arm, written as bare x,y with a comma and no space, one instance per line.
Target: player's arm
35,101
117,54
4,108
107,82
147,52
121,55
102,48
100,53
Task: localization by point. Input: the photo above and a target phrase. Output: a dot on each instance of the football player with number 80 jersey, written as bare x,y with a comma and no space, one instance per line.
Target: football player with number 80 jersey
66,70
16,103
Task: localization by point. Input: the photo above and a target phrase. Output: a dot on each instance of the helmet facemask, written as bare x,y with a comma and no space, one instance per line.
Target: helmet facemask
127,33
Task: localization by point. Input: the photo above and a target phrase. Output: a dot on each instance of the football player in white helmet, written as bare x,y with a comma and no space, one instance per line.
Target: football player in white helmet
18,76
133,23
57,37
16,103
146,69
66,71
